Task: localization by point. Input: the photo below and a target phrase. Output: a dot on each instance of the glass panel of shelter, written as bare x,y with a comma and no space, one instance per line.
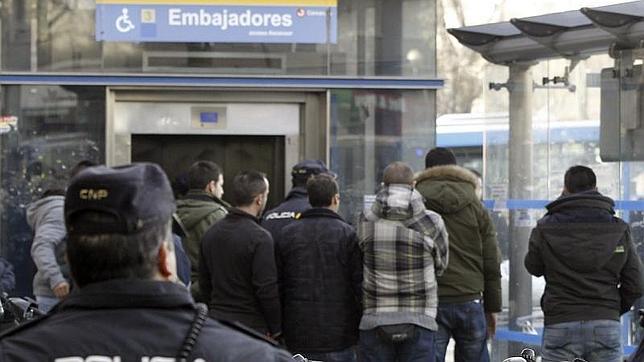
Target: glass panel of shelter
565,133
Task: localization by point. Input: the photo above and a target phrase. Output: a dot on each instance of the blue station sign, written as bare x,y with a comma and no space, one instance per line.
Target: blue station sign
217,21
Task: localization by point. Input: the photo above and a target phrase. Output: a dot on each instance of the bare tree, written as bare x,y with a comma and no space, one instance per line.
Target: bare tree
461,67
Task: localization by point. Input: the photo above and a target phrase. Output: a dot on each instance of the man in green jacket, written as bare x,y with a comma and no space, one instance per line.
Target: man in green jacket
198,210
469,291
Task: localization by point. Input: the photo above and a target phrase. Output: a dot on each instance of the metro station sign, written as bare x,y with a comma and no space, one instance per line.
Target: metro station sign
217,21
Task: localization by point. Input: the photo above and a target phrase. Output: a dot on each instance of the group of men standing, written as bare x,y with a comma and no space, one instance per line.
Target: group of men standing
421,266
301,274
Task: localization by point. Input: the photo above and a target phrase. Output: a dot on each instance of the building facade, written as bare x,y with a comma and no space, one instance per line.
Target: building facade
248,84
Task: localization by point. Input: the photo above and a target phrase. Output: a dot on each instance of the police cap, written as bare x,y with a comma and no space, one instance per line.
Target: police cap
131,197
310,167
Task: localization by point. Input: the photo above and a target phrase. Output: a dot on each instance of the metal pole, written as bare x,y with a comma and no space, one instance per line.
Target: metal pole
520,185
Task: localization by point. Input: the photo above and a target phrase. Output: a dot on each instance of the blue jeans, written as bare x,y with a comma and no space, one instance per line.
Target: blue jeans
346,355
465,322
598,340
45,304
375,348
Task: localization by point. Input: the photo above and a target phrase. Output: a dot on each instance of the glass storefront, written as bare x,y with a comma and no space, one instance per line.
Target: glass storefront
46,129
44,132
373,40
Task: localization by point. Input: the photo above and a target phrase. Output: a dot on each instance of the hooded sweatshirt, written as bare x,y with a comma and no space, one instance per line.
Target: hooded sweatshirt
45,216
587,257
474,265
404,247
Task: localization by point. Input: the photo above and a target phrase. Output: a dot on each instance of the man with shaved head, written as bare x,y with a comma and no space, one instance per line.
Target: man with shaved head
404,247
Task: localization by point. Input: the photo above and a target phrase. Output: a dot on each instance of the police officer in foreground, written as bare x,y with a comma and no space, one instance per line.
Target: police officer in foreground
297,200
127,306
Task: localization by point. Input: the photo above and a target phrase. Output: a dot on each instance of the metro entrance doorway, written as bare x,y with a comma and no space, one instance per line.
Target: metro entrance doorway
175,154
239,130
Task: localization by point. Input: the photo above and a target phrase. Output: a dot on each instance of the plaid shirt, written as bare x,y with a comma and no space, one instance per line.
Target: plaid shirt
405,246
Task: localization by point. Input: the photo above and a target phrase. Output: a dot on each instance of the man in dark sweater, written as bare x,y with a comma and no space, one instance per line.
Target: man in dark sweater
320,274
592,272
237,272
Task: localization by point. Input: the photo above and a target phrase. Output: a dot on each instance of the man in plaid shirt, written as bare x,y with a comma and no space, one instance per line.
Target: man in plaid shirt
404,247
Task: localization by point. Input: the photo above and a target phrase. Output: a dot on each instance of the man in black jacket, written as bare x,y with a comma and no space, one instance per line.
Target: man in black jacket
592,272
237,272
296,201
126,306
320,275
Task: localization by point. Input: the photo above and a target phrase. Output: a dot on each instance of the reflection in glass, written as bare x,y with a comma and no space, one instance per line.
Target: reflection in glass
45,131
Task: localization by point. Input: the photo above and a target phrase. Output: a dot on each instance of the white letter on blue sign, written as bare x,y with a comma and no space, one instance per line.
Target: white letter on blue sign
204,18
174,16
286,20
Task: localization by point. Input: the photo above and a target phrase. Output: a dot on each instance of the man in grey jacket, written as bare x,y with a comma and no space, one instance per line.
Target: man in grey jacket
45,216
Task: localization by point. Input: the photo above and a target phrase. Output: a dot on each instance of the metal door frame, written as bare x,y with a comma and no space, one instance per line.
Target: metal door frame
312,142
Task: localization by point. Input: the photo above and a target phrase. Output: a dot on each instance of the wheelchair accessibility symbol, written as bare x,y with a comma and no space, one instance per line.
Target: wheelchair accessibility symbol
123,22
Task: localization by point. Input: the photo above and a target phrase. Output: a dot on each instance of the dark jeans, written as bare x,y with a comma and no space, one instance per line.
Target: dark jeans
346,355
598,340
465,322
375,348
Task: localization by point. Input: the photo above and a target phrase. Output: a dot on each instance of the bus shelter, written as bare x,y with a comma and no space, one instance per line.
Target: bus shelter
572,38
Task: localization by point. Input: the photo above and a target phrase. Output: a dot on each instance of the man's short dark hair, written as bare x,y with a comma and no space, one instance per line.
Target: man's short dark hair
101,257
201,173
300,180
580,178
398,173
321,190
246,186
439,156
117,219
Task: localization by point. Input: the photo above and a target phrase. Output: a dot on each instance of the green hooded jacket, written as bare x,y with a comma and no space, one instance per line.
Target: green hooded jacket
198,211
474,256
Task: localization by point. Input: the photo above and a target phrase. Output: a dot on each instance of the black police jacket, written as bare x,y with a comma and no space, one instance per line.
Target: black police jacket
587,257
296,202
320,273
127,321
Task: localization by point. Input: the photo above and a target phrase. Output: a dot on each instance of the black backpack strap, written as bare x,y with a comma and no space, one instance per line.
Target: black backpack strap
201,315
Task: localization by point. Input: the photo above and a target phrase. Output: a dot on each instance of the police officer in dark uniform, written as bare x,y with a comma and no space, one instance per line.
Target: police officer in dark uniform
127,306
297,200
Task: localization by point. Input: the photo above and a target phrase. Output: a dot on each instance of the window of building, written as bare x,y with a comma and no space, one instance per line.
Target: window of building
44,132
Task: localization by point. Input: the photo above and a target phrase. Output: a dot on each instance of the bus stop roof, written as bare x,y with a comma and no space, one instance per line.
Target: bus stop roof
570,34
